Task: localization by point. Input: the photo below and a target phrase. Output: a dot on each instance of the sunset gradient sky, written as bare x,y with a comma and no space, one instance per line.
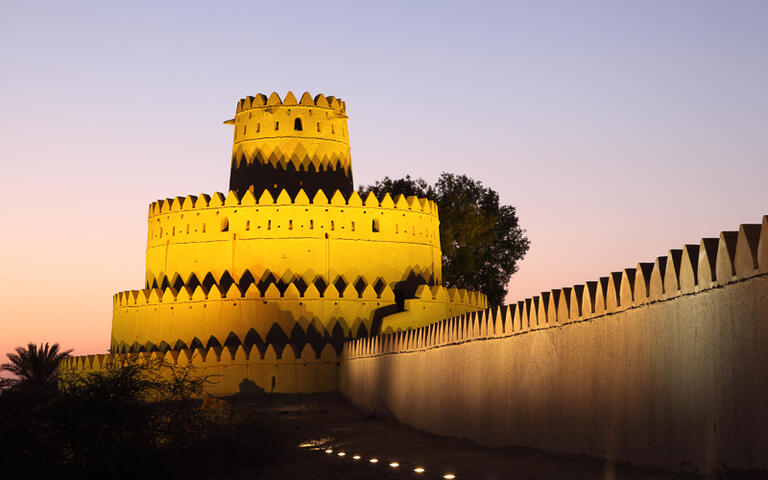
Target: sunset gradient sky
619,129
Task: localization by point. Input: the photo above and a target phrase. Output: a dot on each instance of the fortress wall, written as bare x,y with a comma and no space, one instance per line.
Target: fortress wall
293,337
294,236
432,304
235,370
148,318
665,364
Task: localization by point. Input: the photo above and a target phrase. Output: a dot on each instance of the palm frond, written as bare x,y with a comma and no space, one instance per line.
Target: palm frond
35,364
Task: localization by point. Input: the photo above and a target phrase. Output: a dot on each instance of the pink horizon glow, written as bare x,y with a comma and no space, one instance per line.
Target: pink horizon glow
618,132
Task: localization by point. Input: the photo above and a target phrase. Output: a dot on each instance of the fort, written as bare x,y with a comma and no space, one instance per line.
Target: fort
261,287
293,283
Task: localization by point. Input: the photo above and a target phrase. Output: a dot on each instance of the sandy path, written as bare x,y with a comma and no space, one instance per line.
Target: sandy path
327,421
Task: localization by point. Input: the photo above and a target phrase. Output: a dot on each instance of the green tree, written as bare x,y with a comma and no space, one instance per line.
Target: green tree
481,240
34,367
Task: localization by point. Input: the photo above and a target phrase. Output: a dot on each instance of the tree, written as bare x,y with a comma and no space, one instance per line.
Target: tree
481,240
35,367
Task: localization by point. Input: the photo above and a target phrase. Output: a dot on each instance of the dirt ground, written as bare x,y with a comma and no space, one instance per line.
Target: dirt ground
312,424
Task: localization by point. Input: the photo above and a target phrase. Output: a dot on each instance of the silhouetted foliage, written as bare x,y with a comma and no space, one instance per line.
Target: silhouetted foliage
130,419
481,240
35,368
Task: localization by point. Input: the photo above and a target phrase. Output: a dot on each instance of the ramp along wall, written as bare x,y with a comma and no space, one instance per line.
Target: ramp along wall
664,364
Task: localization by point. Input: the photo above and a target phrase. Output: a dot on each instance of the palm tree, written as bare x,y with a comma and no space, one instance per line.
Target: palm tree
34,366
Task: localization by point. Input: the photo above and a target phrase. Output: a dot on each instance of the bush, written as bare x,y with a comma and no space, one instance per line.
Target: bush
129,419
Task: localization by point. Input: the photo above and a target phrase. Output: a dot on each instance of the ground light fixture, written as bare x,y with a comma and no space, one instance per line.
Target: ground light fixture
356,457
394,464
419,470
329,451
341,454
374,460
449,476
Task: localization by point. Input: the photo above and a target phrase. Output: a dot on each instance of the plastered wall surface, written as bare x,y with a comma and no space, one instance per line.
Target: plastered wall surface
294,236
289,144
145,320
662,365
268,125
235,370
432,304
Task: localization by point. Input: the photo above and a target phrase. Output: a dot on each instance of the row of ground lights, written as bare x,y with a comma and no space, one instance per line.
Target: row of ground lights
374,460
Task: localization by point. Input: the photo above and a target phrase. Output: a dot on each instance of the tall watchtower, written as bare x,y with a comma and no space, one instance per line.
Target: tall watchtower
292,145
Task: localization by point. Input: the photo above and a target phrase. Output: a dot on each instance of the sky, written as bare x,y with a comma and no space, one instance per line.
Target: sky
618,129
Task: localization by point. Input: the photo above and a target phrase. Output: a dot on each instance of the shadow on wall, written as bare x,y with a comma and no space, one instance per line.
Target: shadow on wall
276,336
279,173
411,279
250,388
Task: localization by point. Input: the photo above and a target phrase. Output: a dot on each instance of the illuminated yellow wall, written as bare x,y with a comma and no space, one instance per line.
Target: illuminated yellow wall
432,304
148,318
266,125
391,239
228,368
663,364
145,319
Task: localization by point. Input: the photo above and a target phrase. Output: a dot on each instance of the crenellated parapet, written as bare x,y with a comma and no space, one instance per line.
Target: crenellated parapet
432,304
717,262
274,100
155,319
293,236
226,367
320,198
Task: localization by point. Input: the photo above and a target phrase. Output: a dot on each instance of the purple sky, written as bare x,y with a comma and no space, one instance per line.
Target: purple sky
618,129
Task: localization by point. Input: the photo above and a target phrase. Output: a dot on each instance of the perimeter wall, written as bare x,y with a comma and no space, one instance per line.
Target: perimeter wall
663,365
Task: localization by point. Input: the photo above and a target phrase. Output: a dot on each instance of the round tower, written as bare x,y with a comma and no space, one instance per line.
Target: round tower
262,286
288,144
